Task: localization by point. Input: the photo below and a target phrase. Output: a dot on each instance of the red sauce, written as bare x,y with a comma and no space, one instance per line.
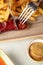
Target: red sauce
20,25
2,61
10,25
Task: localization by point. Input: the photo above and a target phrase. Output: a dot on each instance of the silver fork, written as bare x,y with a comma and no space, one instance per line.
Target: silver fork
28,11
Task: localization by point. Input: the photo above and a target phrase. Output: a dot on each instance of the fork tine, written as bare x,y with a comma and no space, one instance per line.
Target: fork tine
28,17
27,12
24,13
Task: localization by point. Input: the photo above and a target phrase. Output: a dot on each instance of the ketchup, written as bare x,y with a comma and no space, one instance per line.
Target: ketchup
20,25
10,25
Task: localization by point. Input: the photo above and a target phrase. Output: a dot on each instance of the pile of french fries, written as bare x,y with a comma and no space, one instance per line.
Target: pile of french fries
19,5
4,11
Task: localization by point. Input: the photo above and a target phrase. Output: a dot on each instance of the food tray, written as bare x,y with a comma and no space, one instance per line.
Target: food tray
17,50
35,29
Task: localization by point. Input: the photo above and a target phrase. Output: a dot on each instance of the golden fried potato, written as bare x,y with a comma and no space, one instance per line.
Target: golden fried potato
19,10
16,13
19,5
20,2
40,10
37,13
4,11
32,18
4,14
1,3
7,13
34,0
1,20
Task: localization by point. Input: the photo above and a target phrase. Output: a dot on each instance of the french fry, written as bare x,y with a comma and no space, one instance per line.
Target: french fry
1,20
22,8
37,13
7,14
1,2
41,10
22,4
3,6
4,11
19,10
32,18
15,13
34,0
4,15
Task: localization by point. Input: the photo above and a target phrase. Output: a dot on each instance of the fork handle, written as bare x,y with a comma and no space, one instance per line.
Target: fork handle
38,0
37,3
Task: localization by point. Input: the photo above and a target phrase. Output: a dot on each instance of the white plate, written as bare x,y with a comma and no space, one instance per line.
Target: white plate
17,51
